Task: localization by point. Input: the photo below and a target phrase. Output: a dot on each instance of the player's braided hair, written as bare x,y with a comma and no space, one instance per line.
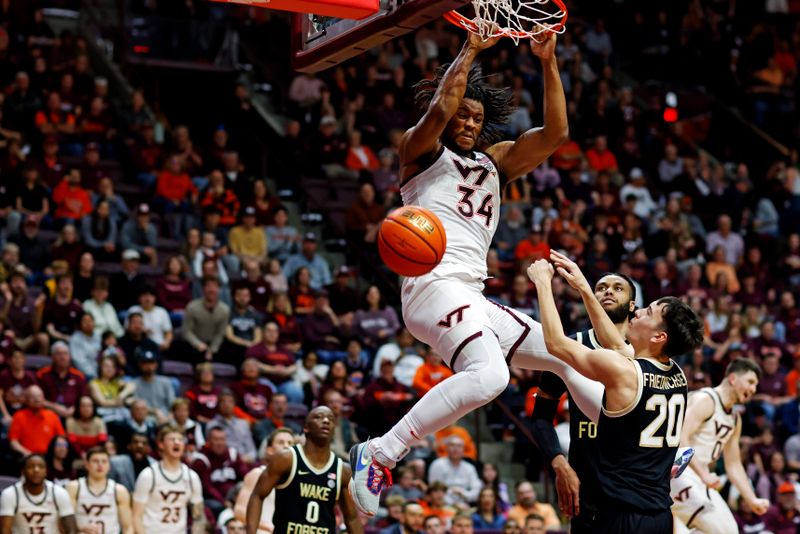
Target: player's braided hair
497,107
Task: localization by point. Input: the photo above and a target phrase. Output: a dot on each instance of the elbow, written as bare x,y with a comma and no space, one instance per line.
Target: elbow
554,346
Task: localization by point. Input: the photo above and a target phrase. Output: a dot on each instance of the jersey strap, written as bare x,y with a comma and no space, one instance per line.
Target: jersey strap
636,399
292,471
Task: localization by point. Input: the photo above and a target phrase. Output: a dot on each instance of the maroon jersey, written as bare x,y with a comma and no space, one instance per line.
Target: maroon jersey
218,472
14,388
275,357
64,390
253,399
203,403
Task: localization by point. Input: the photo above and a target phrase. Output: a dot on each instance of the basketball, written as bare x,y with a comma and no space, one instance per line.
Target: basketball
411,241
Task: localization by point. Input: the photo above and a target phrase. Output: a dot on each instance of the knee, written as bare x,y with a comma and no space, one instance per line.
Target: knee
492,380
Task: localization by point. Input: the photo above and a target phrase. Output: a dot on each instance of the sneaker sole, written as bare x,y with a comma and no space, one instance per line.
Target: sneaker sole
352,487
354,454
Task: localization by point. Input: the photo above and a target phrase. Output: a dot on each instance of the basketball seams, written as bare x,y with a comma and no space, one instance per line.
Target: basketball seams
414,230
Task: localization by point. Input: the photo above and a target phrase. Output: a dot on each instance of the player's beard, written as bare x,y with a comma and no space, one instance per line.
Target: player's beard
619,313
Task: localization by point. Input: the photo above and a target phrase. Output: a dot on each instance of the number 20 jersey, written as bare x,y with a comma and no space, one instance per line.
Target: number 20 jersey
464,192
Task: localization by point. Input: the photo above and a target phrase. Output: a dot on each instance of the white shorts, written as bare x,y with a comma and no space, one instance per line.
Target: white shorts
699,507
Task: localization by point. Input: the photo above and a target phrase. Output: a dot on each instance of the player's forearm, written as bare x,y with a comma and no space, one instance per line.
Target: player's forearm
554,337
454,82
253,517
699,467
198,519
607,333
740,480
556,125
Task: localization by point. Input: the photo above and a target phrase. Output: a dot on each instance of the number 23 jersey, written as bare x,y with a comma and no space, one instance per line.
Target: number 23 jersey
464,192
166,496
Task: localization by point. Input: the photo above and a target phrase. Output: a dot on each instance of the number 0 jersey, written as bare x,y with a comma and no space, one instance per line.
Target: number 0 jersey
711,438
638,444
464,192
304,503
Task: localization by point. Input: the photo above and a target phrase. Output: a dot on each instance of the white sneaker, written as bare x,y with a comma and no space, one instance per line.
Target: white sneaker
368,480
682,459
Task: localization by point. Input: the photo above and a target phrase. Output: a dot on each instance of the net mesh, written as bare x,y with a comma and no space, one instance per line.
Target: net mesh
516,19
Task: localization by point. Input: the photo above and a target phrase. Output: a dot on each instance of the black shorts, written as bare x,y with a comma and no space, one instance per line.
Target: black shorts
633,522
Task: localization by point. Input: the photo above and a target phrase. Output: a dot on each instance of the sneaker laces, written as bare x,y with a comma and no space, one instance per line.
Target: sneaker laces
380,477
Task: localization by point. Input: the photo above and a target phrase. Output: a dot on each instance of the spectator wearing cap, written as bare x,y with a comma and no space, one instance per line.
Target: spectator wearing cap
62,383
127,284
139,234
157,324
644,205
237,430
205,322
62,311
34,250
282,239
22,314
276,364
320,329
99,232
218,195
35,415
84,346
344,299
175,194
135,341
244,326
783,517
248,240
317,265
103,313
155,389
385,401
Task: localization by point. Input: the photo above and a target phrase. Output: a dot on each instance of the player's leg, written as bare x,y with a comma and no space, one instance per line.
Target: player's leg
450,317
522,341
678,526
716,517
690,498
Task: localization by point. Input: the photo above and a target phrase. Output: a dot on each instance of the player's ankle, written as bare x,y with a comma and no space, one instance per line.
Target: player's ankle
379,457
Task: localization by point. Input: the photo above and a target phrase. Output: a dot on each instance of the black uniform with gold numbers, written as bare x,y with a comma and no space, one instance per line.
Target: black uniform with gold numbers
304,503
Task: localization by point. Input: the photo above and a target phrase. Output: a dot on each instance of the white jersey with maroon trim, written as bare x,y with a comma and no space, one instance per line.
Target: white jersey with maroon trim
166,497
710,439
35,514
464,192
97,509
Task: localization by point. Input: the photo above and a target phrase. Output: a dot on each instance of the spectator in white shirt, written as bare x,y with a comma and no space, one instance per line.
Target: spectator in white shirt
671,166
463,483
730,241
103,313
637,187
157,324
84,346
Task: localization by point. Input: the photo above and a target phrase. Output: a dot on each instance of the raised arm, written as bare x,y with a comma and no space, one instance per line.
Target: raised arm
607,332
278,466
737,474
349,512
518,158
423,138
700,408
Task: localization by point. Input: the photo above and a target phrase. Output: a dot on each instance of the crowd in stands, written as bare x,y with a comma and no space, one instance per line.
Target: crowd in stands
147,279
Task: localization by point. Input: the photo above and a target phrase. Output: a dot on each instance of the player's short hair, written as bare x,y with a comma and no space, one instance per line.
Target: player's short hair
96,450
29,457
274,434
429,517
741,366
396,500
533,517
167,429
497,107
684,329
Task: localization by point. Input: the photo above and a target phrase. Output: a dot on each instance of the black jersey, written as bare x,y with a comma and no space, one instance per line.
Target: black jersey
637,445
582,430
304,502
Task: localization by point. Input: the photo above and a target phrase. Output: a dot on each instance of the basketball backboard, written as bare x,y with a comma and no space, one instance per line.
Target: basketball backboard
321,42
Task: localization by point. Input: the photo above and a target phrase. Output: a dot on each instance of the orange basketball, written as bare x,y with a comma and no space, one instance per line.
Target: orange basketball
411,241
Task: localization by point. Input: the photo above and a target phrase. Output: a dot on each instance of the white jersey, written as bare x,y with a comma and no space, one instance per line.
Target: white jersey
464,192
710,440
166,497
35,514
97,509
268,507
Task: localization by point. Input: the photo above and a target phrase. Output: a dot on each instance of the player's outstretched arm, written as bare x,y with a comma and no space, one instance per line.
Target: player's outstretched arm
607,333
699,409
124,509
423,138
605,366
278,466
737,474
349,512
518,158
243,497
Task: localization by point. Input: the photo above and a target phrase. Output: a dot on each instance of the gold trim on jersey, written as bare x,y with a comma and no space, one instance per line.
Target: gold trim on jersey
331,459
292,471
338,479
658,364
628,409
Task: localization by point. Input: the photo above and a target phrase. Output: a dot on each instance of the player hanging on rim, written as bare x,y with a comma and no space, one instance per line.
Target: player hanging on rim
712,428
101,505
164,491
309,480
643,406
35,505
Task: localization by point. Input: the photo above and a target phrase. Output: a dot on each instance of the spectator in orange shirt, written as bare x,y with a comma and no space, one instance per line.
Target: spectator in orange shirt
33,427
793,378
360,157
175,194
470,451
222,198
429,373
600,157
52,120
72,201
434,503
533,248
567,157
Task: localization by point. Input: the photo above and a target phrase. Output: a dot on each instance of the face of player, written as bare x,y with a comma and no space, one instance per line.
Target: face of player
98,465
464,128
744,385
282,441
35,470
172,446
320,423
613,292
647,324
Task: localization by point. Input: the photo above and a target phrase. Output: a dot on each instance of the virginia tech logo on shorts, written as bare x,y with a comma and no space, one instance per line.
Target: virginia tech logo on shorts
458,313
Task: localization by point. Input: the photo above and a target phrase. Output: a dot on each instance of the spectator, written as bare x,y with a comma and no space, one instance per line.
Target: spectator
244,327
411,522
344,436
33,415
533,248
462,479
35,252
219,467
72,201
430,373
488,514
356,358
601,159
527,504
62,384
126,285
31,197
491,478
280,311
330,151
192,430
510,231
140,235
204,394
139,421
118,209
14,380
125,467
344,299
385,401
730,241
275,363
256,282
782,517
278,408
308,257
263,203
670,166
110,391
248,241
175,194
747,520
174,290
718,267
60,460
407,486
301,293
205,322
321,330
644,205
85,429
534,524
135,342
99,232
282,239
375,323
364,216
434,525
252,397
68,248
236,429
219,196
84,346
157,324
22,313
435,504
155,389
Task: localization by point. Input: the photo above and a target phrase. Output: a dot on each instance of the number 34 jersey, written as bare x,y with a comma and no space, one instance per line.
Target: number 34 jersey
464,192
637,445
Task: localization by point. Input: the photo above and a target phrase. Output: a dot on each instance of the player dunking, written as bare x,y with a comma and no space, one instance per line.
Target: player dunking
35,505
643,406
164,491
712,428
452,164
101,505
309,480
280,440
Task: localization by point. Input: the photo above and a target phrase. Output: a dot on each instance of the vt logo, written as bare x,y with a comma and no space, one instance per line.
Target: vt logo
683,494
171,497
458,313
94,509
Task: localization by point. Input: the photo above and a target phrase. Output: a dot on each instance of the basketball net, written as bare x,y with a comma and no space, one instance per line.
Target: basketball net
516,19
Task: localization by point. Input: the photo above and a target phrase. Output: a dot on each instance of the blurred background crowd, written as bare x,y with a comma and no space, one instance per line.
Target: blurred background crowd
188,233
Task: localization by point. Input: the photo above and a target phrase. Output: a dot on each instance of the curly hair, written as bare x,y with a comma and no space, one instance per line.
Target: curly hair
497,107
